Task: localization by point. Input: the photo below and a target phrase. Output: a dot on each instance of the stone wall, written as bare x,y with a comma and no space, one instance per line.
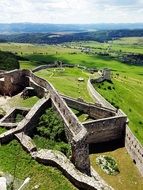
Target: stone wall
39,90
80,180
29,122
10,117
79,135
97,97
14,81
58,159
105,75
67,114
41,67
52,65
107,129
135,149
133,146
93,110
1,85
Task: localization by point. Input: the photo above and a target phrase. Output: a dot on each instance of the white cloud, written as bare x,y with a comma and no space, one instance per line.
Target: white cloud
71,11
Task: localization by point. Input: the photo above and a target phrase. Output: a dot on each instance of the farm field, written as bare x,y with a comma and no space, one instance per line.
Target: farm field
130,45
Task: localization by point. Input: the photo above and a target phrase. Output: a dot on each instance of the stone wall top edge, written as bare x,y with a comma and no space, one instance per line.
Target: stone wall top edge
104,119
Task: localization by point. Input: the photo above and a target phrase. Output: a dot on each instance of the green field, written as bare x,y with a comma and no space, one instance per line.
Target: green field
39,55
13,159
130,45
66,81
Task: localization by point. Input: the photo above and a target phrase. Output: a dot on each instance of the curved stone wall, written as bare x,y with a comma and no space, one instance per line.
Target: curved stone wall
97,97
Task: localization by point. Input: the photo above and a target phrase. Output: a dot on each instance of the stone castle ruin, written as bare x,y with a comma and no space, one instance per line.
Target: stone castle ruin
107,124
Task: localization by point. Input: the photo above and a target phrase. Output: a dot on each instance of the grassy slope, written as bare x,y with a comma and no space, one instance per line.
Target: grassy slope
45,176
128,96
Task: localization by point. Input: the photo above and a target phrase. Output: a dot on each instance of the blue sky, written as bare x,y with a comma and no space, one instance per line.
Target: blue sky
71,11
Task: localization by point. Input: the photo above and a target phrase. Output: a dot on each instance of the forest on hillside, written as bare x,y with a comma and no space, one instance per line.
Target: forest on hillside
8,61
57,38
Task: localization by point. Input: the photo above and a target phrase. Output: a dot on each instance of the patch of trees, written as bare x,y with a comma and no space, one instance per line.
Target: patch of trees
53,38
8,61
132,59
50,130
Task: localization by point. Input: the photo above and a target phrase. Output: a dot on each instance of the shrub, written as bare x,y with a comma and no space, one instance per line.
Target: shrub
64,148
107,164
51,126
109,88
136,131
130,110
51,133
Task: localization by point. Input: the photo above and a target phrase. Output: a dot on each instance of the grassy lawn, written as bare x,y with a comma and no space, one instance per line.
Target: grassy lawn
44,176
128,178
17,101
81,116
66,81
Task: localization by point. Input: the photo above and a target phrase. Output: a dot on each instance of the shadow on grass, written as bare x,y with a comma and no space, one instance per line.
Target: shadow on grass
41,58
106,146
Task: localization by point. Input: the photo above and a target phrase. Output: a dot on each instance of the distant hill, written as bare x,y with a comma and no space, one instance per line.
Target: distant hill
57,38
8,61
42,28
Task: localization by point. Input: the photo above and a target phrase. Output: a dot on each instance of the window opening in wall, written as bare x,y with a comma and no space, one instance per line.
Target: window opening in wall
134,161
